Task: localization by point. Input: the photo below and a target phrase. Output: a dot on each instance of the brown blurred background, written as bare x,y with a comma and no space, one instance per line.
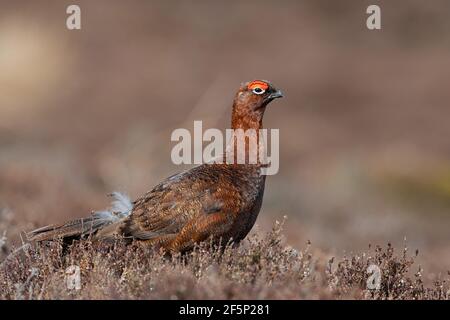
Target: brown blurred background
364,125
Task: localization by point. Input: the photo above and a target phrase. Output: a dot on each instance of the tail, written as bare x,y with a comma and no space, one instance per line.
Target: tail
75,229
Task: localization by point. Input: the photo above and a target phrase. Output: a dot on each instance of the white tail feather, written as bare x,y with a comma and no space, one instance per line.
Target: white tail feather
121,207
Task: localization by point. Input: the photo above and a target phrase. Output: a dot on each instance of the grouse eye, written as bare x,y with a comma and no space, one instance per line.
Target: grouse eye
258,90
258,86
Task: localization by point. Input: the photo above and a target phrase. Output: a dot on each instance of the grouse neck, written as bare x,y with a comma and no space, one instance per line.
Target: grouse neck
246,121
246,145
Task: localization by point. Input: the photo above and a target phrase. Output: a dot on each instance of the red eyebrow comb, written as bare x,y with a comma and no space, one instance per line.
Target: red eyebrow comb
257,83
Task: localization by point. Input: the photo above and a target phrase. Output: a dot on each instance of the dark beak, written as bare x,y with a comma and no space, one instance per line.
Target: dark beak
276,94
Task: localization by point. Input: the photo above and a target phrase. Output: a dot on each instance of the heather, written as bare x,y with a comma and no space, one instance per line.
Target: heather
262,267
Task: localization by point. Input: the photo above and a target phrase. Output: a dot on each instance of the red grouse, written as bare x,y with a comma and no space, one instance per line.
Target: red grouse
218,201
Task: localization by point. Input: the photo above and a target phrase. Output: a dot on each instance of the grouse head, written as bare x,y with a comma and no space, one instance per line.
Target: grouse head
250,103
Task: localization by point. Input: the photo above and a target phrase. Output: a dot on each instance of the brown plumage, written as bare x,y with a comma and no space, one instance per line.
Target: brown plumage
217,201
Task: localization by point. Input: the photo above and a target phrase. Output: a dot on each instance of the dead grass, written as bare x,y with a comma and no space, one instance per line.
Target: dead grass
259,268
